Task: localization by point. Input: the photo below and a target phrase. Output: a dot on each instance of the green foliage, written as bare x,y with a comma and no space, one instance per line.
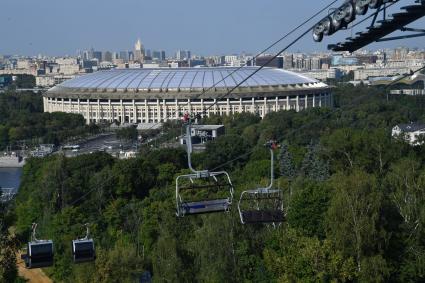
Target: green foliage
22,119
354,200
286,163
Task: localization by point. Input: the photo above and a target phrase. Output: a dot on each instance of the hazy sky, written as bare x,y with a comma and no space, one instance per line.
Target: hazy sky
59,27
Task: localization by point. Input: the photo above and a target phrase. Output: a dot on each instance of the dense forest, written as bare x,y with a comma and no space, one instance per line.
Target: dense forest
22,121
354,202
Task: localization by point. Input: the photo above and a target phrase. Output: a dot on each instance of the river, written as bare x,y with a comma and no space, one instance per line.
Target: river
10,177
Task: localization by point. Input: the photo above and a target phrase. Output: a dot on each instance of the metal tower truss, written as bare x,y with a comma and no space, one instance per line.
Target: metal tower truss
379,29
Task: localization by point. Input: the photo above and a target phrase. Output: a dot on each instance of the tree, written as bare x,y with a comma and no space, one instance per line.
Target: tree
353,217
313,167
286,163
308,207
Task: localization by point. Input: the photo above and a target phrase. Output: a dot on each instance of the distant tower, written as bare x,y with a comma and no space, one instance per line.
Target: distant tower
139,52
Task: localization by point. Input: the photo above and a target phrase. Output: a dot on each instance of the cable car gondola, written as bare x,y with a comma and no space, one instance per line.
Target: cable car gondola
202,191
262,205
83,249
39,252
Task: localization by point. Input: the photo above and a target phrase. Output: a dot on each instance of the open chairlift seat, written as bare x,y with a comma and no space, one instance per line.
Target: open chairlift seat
272,213
202,191
218,184
262,205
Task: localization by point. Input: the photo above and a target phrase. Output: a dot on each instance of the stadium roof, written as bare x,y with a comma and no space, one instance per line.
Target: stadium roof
185,79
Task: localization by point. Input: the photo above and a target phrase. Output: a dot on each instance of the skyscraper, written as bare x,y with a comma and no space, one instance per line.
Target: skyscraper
139,52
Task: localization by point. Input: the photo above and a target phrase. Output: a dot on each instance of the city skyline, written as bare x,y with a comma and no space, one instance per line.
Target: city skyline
221,27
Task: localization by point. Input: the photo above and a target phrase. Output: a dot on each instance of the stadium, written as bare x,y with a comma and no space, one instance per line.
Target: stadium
157,95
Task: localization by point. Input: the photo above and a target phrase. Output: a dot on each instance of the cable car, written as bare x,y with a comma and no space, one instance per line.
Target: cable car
202,191
83,249
262,205
39,252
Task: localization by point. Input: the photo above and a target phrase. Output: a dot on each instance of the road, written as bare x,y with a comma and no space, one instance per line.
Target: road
35,275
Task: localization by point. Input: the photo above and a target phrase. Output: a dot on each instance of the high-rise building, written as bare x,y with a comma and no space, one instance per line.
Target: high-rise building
148,53
156,55
107,56
162,55
124,56
288,62
183,55
139,52
97,55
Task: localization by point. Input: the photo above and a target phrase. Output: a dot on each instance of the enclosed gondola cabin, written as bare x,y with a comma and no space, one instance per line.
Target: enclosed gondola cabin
40,254
83,250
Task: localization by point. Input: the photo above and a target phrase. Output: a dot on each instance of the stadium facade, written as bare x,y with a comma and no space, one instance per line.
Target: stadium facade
157,95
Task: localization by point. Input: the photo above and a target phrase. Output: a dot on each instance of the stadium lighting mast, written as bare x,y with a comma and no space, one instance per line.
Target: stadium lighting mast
340,18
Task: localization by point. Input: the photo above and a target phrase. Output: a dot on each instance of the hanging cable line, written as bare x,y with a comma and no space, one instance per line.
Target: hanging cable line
345,107
252,62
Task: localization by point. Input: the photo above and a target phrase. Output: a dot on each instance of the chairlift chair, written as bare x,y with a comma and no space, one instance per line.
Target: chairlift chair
202,191
262,205
39,252
83,249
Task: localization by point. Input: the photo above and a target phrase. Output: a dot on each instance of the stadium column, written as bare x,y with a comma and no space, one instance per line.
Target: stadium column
164,110
305,101
240,105
314,100
202,108
134,112
215,106
297,106
78,106
228,106
158,111
287,103
320,100
264,108
189,106
253,106
87,111
122,119
110,114
177,110
98,111
63,104
146,111
276,108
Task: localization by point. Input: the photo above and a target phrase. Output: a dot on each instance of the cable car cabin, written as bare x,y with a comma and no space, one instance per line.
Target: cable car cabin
203,192
261,206
83,250
40,254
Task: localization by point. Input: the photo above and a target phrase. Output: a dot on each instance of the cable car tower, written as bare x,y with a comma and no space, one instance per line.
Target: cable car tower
39,252
201,191
262,205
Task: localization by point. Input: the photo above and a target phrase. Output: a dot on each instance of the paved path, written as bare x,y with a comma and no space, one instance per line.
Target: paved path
35,275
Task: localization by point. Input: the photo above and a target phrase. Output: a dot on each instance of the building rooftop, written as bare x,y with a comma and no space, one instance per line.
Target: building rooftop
412,127
184,79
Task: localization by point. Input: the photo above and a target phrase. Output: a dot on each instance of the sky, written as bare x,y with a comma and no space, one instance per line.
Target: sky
61,27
